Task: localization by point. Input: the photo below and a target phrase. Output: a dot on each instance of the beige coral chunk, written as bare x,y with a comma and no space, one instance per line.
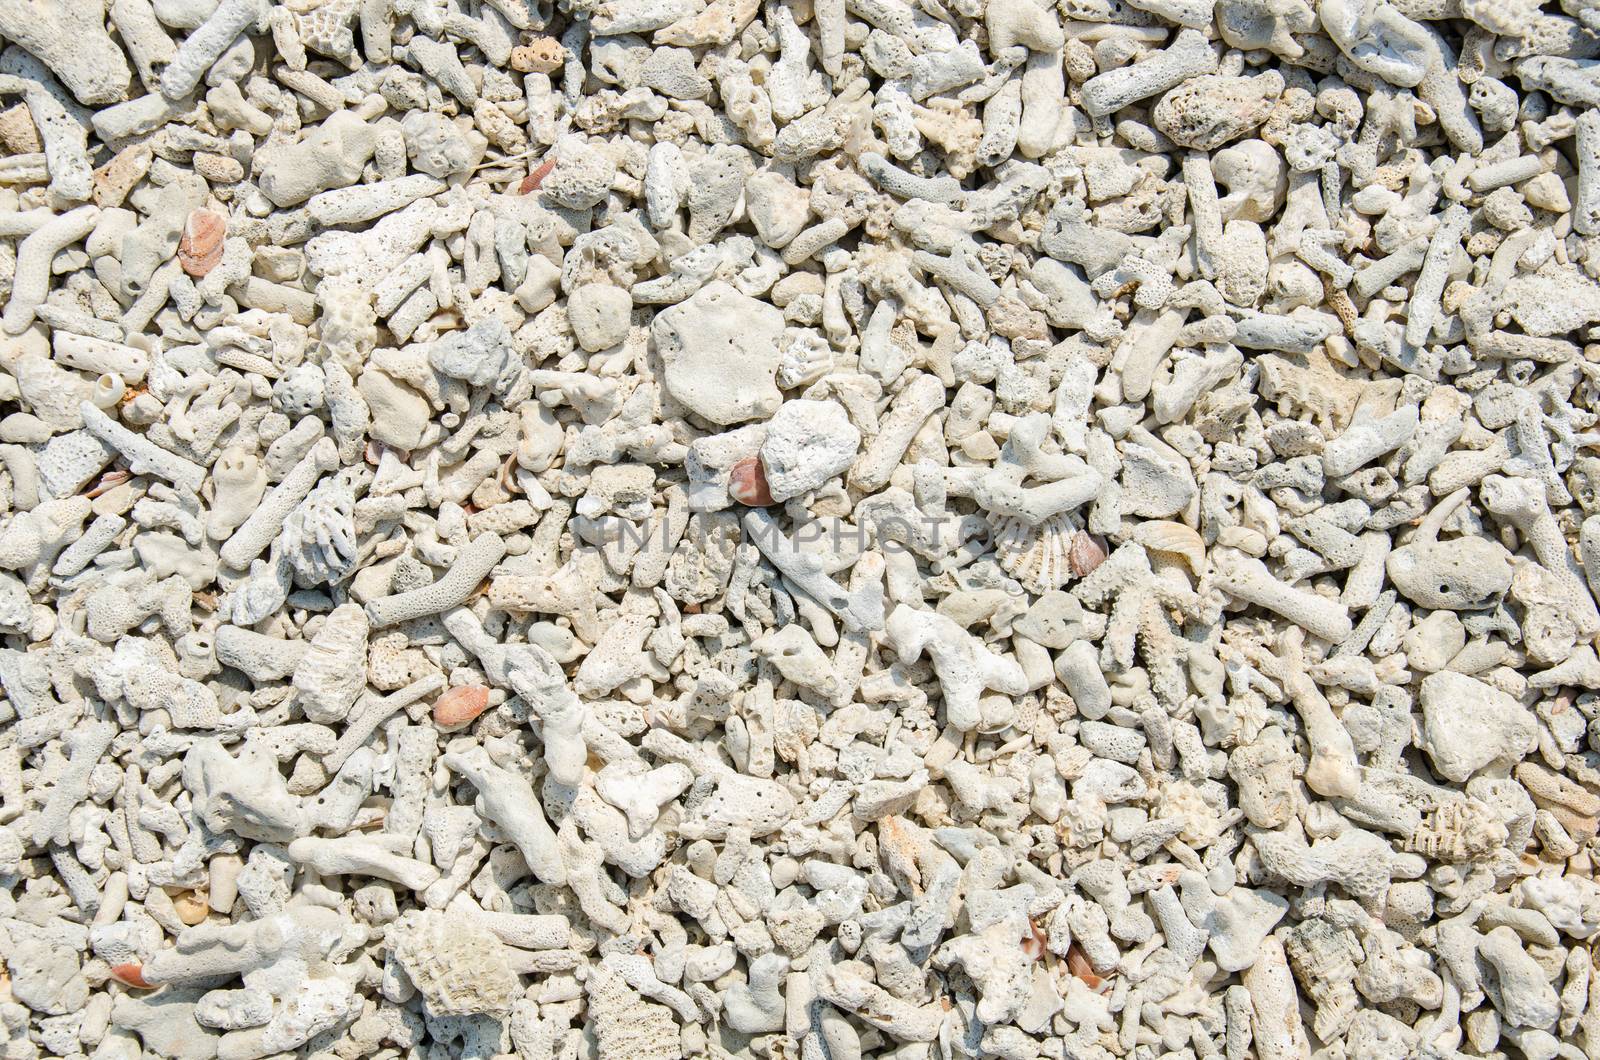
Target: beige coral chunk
1207,112
720,349
460,968
1552,302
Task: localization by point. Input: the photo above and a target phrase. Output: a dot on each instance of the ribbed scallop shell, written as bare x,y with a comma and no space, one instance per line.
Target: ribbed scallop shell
1040,557
333,671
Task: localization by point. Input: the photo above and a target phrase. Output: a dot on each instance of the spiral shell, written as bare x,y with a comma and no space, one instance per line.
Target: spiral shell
1459,830
1324,960
1318,391
900,849
191,906
536,177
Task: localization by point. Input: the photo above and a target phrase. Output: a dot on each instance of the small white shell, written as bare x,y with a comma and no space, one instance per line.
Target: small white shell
1174,538
1040,557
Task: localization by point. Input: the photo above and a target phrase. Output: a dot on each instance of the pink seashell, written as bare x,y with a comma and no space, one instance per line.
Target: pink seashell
1078,964
108,482
1086,554
460,705
1034,942
131,974
536,177
201,246
747,483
